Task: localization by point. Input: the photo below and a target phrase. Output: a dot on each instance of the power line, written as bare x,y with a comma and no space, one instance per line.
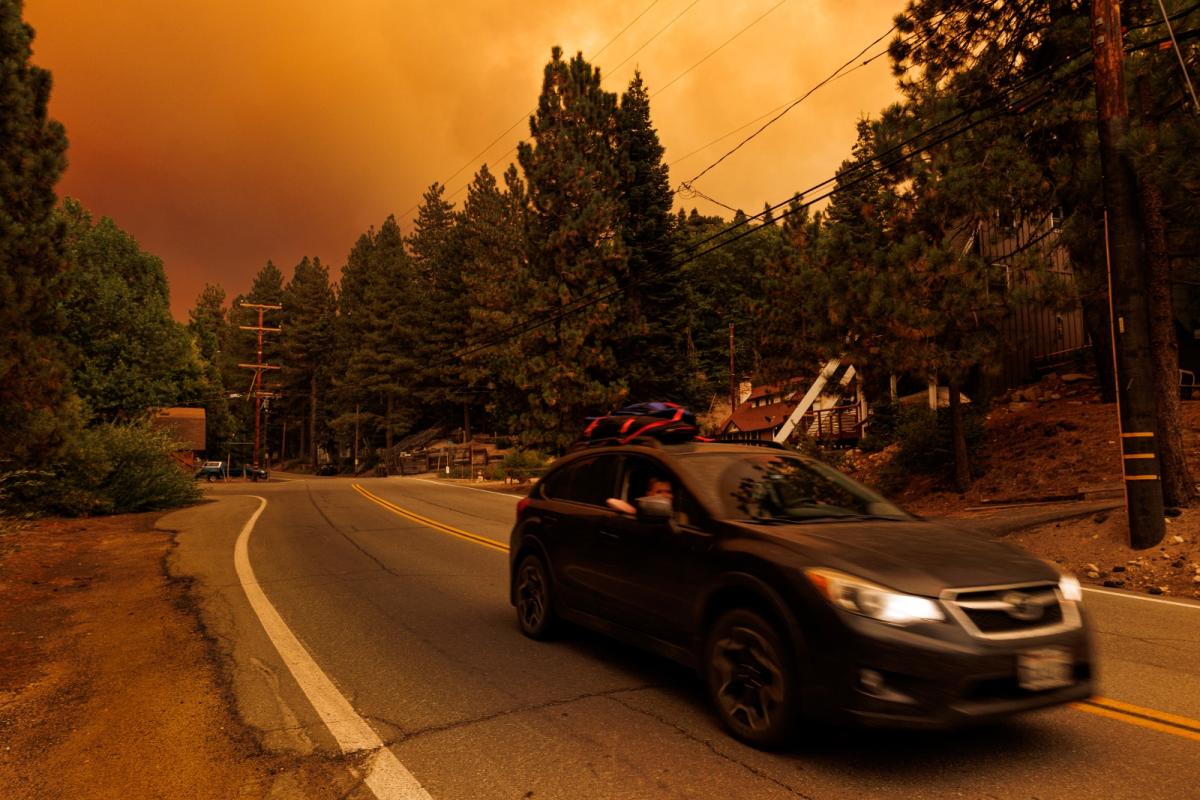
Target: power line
655,36
759,19
834,76
622,31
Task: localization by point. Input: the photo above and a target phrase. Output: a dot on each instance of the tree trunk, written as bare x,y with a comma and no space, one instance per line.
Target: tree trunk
958,433
1177,484
1097,322
387,428
312,422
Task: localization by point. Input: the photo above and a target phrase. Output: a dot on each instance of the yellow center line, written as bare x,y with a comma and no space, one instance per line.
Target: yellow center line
1149,718
431,523
1128,713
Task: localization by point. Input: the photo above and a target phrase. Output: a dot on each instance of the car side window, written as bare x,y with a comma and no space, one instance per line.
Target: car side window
588,481
642,476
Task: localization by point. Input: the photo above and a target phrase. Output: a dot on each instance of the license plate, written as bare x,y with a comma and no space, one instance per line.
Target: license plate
1047,668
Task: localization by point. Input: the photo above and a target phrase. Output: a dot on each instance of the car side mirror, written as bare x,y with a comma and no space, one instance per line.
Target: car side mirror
655,508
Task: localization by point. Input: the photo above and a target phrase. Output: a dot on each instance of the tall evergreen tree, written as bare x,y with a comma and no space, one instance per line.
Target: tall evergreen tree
493,240
209,326
34,377
575,251
380,305
441,313
653,353
308,342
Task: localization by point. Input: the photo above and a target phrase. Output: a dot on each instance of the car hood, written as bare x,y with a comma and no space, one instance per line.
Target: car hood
916,557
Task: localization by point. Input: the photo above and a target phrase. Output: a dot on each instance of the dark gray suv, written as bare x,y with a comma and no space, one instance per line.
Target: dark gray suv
793,590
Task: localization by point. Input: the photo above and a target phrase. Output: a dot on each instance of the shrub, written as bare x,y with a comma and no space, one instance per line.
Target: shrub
523,464
110,469
927,442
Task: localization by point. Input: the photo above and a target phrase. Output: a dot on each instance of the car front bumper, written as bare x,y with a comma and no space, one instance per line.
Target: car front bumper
942,677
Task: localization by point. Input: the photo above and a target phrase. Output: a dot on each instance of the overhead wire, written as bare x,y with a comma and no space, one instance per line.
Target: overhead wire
834,76
718,49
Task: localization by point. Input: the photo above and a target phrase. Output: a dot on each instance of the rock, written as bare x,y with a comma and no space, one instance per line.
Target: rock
1093,575
1055,396
1118,568
1091,568
1117,584
1177,540
1075,377
1171,512
1100,518
1154,590
1196,579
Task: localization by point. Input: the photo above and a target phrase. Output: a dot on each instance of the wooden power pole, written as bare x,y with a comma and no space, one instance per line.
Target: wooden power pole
260,396
1127,284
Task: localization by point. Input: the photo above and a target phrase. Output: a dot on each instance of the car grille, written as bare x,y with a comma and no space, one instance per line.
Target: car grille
1002,612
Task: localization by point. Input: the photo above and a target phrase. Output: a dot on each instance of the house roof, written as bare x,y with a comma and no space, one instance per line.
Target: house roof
748,418
186,425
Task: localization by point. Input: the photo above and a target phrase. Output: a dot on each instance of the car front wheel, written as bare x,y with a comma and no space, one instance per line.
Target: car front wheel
535,610
752,678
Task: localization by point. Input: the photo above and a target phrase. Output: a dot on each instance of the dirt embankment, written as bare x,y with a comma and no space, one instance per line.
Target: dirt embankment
1055,441
109,689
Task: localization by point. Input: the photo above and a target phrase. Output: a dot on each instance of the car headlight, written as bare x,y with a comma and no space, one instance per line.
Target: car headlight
1069,588
868,599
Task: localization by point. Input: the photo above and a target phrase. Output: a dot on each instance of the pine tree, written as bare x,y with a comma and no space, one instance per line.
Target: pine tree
35,412
308,342
441,313
494,247
209,326
653,353
378,309
575,252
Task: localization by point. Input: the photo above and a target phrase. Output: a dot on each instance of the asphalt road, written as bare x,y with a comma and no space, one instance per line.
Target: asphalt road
411,625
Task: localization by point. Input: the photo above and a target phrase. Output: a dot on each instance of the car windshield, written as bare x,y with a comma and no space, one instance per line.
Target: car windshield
776,487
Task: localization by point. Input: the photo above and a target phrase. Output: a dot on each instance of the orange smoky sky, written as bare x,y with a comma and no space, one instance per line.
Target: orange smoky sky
222,134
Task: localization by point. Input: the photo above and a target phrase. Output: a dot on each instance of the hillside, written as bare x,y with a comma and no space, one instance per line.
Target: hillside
1057,441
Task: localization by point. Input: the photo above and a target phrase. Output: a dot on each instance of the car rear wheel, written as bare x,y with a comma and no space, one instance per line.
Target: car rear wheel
752,678
211,477
535,609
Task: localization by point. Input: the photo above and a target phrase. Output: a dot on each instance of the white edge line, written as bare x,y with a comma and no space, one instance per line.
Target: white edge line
1131,596
386,776
457,486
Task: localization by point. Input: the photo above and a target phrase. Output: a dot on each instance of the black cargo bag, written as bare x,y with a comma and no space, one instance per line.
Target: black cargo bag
667,422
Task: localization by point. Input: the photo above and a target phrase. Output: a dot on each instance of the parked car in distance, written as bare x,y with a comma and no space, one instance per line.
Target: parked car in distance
796,593
212,470
327,469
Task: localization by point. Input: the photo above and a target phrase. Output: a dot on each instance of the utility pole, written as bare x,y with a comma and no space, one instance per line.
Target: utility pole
259,395
1127,284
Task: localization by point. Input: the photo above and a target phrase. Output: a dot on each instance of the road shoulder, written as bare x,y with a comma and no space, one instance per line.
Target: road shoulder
109,686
